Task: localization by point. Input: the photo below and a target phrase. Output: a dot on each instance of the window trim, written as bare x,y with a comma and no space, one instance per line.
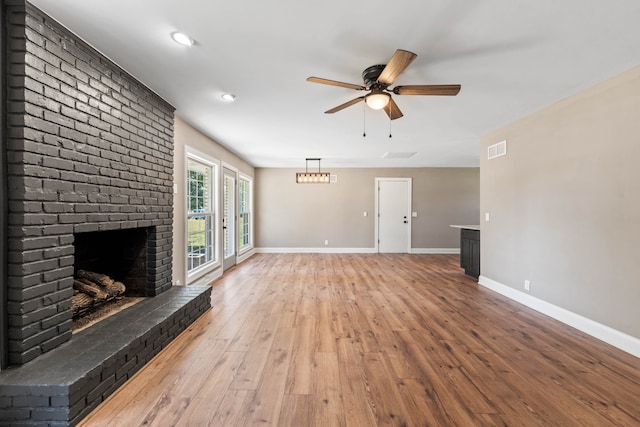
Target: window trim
198,156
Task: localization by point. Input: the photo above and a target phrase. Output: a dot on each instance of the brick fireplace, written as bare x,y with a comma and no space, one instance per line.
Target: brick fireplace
89,149
89,165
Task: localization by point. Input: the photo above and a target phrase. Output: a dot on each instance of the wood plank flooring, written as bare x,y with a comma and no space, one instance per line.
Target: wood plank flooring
374,340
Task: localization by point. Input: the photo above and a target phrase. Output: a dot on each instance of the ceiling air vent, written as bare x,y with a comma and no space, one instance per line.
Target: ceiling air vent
397,155
497,150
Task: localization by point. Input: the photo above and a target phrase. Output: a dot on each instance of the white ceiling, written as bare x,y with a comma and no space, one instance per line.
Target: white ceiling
512,57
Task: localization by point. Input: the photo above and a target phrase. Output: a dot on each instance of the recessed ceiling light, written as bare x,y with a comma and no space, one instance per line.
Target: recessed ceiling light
182,39
228,97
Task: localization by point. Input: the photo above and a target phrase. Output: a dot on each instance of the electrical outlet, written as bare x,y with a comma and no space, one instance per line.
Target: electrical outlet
487,217
365,213
326,243
527,285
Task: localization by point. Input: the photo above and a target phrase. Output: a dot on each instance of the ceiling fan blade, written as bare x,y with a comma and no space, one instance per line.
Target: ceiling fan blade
334,83
445,90
399,61
345,105
392,110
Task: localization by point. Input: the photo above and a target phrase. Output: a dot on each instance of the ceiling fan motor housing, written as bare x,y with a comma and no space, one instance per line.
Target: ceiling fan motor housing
370,76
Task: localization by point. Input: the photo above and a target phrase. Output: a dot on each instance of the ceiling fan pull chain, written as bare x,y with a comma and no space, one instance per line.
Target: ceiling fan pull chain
364,120
389,127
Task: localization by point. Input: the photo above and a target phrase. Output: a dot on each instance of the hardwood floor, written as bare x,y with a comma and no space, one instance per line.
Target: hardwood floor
366,340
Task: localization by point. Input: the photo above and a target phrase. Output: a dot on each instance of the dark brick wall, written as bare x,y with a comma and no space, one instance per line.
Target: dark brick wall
89,148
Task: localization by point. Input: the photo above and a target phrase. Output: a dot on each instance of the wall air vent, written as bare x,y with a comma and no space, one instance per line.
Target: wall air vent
497,150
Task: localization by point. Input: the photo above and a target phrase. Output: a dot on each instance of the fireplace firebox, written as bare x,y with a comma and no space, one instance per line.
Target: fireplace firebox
120,254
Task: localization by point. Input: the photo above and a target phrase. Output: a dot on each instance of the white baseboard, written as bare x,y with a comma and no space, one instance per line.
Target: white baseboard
245,255
597,330
350,250
452,251
208,278
316,250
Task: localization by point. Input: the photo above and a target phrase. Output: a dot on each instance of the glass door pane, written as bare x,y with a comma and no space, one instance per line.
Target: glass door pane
228,218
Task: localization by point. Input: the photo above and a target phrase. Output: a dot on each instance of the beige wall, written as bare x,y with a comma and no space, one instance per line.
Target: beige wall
565,204
185,135
290,215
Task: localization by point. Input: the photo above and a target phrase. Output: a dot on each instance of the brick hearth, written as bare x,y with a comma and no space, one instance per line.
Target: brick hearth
64,385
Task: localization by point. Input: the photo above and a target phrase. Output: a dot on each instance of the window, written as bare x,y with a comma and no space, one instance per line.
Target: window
201,215
244,214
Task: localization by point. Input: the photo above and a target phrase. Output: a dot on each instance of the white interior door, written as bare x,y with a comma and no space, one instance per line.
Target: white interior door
394,216
229,218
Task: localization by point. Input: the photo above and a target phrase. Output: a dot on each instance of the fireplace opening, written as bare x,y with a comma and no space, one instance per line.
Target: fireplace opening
110,273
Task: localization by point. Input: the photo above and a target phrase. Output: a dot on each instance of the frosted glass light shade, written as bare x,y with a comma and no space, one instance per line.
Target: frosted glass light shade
377,100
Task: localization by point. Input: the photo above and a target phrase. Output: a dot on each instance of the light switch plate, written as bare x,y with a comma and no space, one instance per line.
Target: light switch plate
487,217
414,214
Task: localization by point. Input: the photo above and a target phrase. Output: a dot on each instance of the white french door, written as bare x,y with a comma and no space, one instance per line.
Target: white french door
228,218
393,215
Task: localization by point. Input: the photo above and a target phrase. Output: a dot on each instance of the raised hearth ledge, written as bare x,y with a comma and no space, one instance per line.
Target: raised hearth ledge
62,386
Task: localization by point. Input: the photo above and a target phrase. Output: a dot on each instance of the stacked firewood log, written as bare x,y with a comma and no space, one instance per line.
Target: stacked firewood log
92,289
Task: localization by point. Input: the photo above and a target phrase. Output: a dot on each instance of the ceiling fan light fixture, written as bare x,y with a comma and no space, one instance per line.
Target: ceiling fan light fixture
229,97
378,78
377,100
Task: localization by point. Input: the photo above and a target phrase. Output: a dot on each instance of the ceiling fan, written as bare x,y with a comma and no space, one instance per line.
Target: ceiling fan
377,80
